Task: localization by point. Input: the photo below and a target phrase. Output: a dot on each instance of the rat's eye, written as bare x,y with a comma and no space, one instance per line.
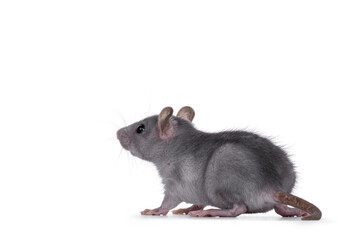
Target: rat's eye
140,129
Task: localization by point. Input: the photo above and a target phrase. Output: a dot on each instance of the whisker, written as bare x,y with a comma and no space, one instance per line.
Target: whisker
118,112
114,124
123,119
119,155
108,139
129,161
135,161
147,114
121,151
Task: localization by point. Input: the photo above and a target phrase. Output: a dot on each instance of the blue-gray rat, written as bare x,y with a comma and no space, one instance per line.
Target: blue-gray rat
236,171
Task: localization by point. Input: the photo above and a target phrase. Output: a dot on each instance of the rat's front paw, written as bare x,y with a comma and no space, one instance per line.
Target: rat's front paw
144,212
154,212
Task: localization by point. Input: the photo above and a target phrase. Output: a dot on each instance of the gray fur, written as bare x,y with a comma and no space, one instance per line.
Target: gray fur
217,169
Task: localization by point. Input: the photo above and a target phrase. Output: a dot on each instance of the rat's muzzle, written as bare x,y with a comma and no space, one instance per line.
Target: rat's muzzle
123,138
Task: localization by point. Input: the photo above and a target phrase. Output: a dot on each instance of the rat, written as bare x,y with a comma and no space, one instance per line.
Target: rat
236,172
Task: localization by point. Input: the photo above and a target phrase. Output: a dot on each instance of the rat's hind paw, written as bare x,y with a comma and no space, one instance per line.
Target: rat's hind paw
187,210
233,212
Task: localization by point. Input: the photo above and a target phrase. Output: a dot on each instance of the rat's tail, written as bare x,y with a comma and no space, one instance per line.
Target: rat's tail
289,199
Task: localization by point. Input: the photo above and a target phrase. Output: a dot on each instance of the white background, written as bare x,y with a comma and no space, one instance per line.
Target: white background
73,72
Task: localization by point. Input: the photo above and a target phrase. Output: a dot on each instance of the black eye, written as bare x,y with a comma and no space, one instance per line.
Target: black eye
140,129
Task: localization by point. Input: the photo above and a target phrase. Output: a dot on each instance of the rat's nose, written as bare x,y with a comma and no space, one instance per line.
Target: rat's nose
123,138
118,134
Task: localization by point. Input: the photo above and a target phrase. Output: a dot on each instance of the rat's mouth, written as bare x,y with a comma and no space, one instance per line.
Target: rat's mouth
125,143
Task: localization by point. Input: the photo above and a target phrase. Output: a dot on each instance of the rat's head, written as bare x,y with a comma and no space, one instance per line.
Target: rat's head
147,139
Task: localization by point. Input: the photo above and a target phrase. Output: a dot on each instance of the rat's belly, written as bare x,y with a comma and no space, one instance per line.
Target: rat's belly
188,181
191,192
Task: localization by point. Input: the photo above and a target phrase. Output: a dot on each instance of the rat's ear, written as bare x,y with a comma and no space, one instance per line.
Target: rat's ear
186,113
164,124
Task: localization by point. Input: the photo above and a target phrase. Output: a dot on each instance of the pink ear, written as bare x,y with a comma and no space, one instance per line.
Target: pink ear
165,126
186,113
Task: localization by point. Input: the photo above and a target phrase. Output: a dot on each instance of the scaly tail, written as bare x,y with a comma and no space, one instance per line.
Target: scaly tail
289,199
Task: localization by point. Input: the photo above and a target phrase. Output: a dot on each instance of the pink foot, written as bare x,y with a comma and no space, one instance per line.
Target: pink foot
187,210
285,211
234,212
154,212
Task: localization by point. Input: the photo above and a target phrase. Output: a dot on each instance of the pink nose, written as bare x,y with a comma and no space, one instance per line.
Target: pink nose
118,134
